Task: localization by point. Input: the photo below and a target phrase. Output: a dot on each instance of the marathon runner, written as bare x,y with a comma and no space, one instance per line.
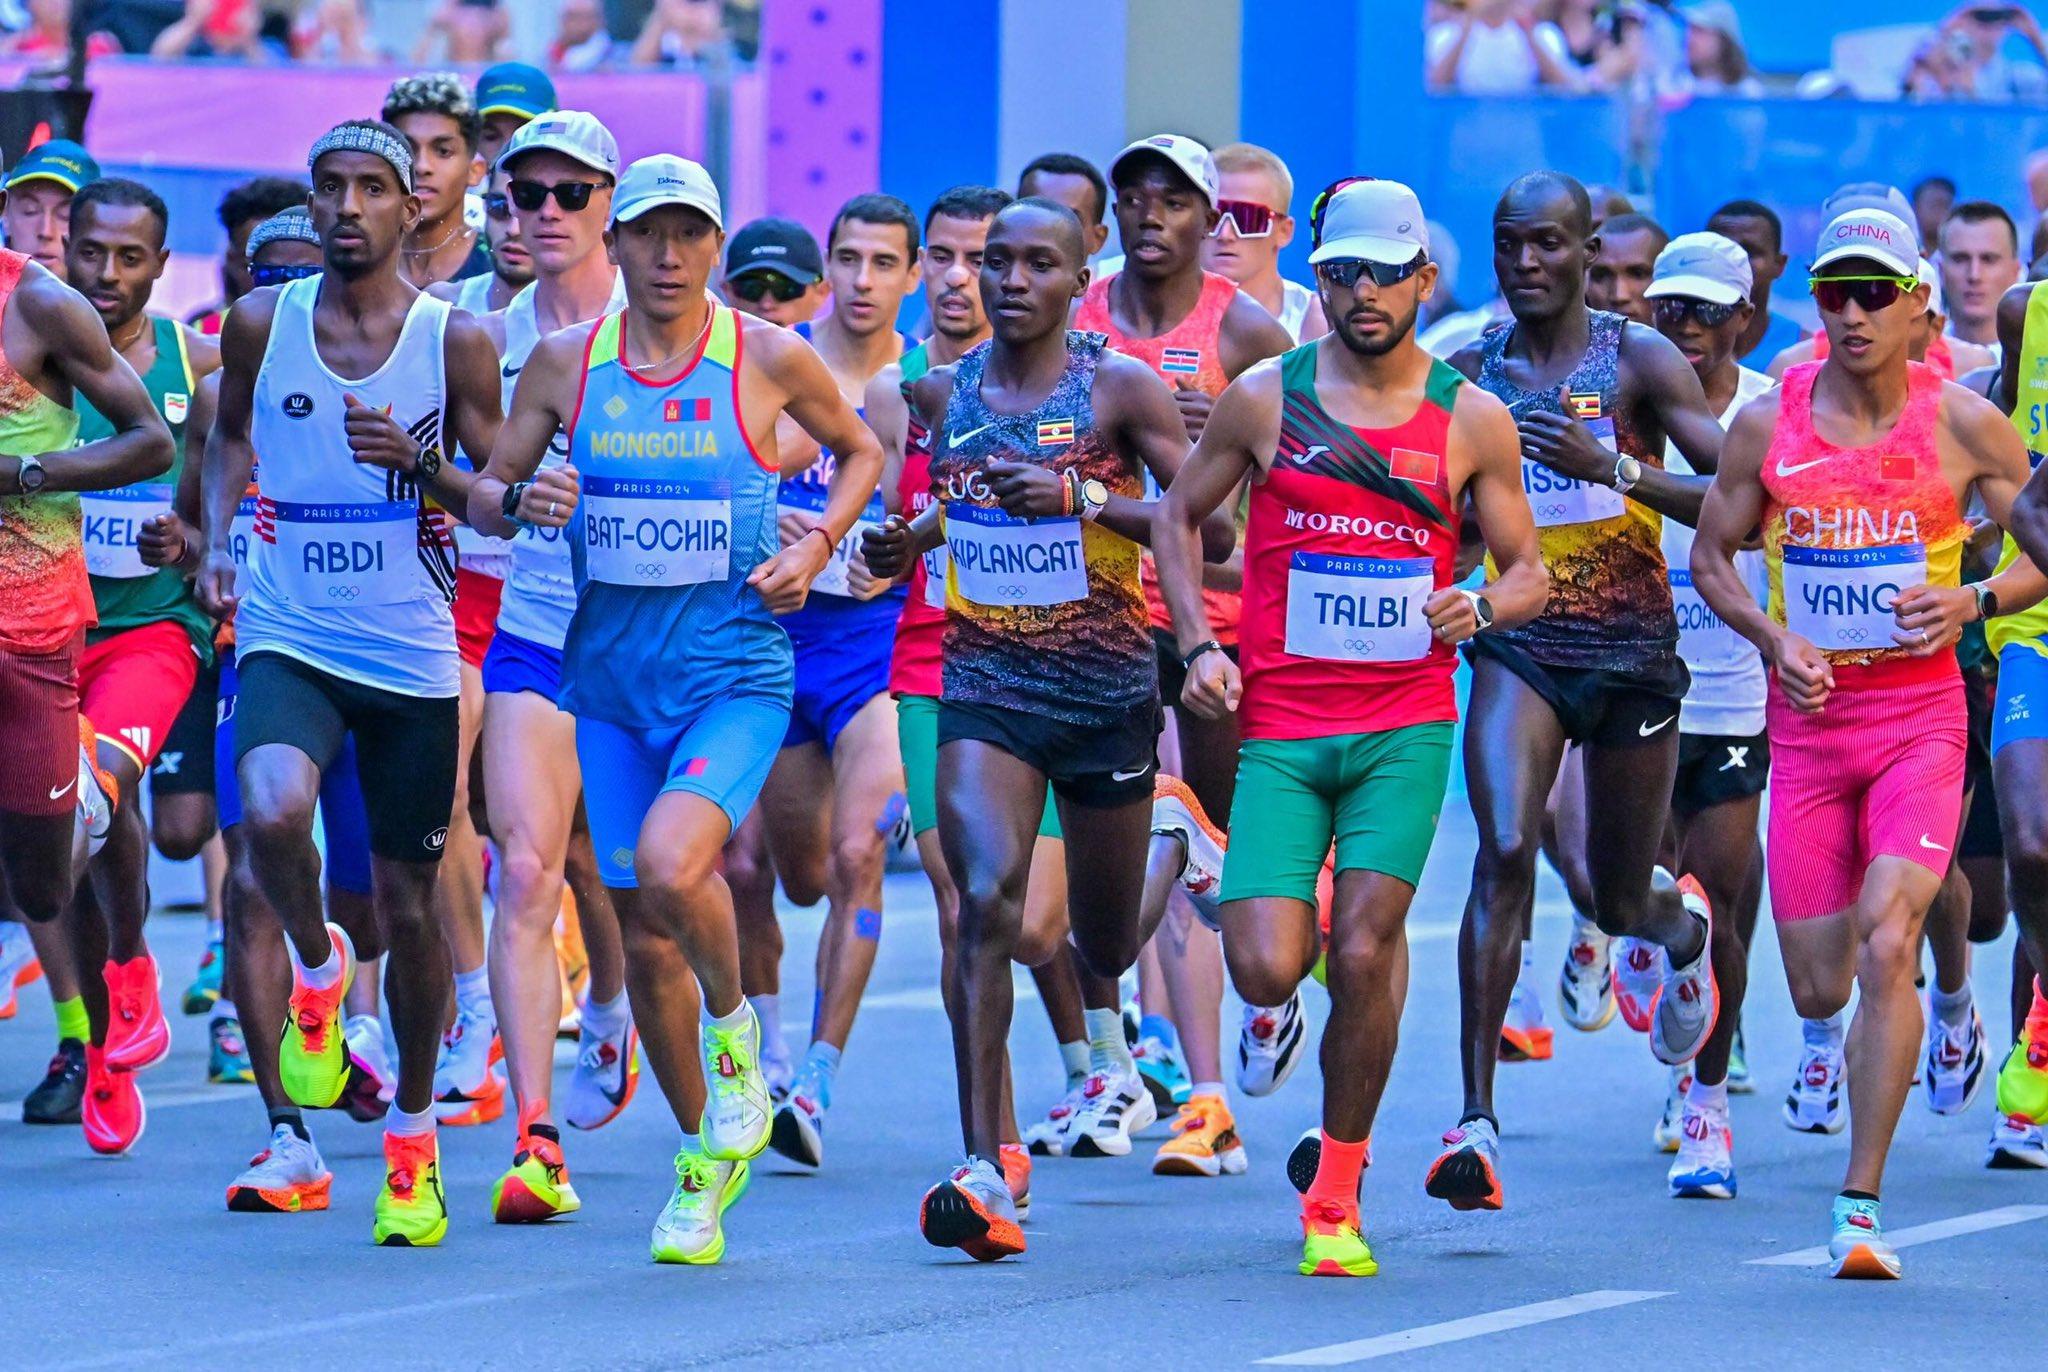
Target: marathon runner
773,271
1594,397
241,210
1039,440
37,217
1950,357
672,406
508,96
1761,233
1351,614
353,386
1620,271
1859,469
438,117
511,264
1980,262
1078,184
1252,227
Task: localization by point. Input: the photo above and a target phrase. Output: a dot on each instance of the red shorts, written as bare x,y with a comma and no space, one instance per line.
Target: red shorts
476,613
132,685
39,731
1878,773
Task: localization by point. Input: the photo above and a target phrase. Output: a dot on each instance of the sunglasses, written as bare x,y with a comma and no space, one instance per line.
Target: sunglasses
1343,273
1833,293
498,205
751,286
1670,311
276,274
1247,219
570,195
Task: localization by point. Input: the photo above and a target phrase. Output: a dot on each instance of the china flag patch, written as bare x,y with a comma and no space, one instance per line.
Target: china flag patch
1898,467
1053,432
697,410
1410,464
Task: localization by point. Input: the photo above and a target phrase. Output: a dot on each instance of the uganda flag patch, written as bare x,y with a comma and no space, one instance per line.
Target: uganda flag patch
1582,404
1895,468
1410,464
1053,432
1184,360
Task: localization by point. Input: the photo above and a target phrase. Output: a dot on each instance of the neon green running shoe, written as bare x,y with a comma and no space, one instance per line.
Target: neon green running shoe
1331,1244
690,1228
2023,1081
411,1210
312,1057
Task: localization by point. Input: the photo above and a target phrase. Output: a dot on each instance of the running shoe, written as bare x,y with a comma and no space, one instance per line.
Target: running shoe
1160,1068
227,1056
286,1178
18,965
1270,1041
371,1082
1331,1242
972,1211
1669,1131
1048,1137
1705,1166
1467,1172
2015,1144
606,1074
798,1132
1016,1160
1204,1142
312,1057
536,1186
59,1097
138,1036
689,1229
1952,1066
112,1111
1814,1104
738,1112
98,791
778,1068
466,1089
1638,971
2023,1081
412,1212
1524,1037
1305,1159
1858,1247
1739,1081
1683,1010
1177,812
205,987
1112,1109
1585,984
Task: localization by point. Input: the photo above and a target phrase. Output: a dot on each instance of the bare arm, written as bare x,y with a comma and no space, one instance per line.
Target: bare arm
1484,431
75,348
1443,72
889,417
543,404
1998,462
230,459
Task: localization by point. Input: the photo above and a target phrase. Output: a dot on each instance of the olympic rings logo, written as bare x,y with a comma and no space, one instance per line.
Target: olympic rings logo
1361,645
650,569
1853,634
343,592
1550,511
1013,592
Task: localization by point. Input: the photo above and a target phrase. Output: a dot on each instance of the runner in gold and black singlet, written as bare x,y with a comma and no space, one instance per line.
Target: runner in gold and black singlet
1595,398
1040,439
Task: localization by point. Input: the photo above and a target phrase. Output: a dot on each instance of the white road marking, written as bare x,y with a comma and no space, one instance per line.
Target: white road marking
1452,1331
1919,1233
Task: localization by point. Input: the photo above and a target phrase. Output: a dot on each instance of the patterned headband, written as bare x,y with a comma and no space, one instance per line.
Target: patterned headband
286,226
370,139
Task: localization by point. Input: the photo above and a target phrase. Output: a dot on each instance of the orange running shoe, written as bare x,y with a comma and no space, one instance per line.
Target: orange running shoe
138,1035
1017,1174
972,1211
312,1057
536,1187
112,1111
1467,1172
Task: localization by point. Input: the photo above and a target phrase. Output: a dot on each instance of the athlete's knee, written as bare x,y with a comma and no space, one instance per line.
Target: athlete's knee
1261,978
856,862
1039,942
1106,950
1890,952
1815,996
2026,862
1506,854
681,870
179,832
530,886
1359,952
276,820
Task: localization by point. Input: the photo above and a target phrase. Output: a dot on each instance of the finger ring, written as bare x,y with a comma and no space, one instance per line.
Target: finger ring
1923,636
551,509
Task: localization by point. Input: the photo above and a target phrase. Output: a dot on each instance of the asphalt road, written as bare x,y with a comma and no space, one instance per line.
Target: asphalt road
135,1262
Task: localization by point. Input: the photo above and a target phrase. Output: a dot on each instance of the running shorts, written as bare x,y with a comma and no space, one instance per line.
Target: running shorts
405,745
476,613
1715,769
917,735
1172,676
133,684
1593,705
184,765
836,676
514,664
1096,765
722,755
1377,794
1878,773
39,730
2022,708
344,827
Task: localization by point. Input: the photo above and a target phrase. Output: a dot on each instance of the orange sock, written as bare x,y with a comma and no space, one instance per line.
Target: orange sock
1338,1172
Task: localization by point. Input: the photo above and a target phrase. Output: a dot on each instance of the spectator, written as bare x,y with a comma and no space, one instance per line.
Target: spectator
581,41
1980,262
220,29
48,35
468,32
1932,200
1622,270
37,216
1588,38
1497,47
241,210
1973,37
1714,52
335,31
688,35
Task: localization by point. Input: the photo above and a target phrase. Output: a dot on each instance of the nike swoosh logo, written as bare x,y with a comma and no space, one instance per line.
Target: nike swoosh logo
60,790
1784,470
1926,842
511,372
1131,775
1647,729
955,440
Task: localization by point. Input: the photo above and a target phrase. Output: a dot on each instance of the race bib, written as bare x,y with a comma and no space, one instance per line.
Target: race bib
242,531
344,556
808,498
657,533
1555,498
935,563
111,522
1840,600
1000,560
1358,609
1703,636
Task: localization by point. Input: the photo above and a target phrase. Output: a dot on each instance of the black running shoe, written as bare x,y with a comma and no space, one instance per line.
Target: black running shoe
58,1098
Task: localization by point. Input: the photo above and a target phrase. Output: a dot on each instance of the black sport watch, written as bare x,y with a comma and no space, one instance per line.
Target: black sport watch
509,506
1987,601
429,464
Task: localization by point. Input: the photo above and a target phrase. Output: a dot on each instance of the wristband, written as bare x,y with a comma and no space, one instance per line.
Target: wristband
830,542
1066,494
1187,660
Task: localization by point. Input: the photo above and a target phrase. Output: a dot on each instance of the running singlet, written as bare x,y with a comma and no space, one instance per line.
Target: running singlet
1351,530
1847,529
44,595
677,510
128,593
1610,601
1189,356
350,570
1043,616
473,293
540,593
920,631
2030,417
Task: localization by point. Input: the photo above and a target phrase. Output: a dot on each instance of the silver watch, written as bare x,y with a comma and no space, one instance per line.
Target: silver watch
30,474
1627,472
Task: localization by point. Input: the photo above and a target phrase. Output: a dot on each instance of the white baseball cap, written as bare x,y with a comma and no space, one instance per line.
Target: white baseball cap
572,133
666,179
1702,266
1379,221
1190,157
1875,235
1930,277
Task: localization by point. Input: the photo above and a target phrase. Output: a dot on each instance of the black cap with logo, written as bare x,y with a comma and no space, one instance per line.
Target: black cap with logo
782,246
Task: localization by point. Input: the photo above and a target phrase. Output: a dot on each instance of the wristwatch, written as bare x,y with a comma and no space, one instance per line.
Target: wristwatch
1627,472
30,474
1987,601
429,464
509,506
1094,495
1482,610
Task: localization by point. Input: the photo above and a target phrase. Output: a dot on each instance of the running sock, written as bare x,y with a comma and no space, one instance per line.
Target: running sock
692,1143
291,1119
605,1018
1824,1033
820,1066
473,990
1848,1194
224,1009
1701,1096
736,1019
1161,1028
72,1022
1208,1088
1338,1171
325,977
1074,1057
1952,1008
1107,1051
407,1125
768,1009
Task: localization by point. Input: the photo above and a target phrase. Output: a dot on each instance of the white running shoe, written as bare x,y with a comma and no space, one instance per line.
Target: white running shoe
798,1131
1112,1109
1176,811
1666,1136
95,809
1682,1016
1269,1045
284,1179
466,1054
606,1072
1585,984
738,1111
1952,1065
2015,1144
1638,973
1858,1246
689,1229
1705,1166
1814,1104
371,1082
1047,1138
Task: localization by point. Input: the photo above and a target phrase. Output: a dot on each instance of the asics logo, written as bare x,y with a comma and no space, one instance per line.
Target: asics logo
955,440
1926,842
57,791
1785,469
1646,728
1737,757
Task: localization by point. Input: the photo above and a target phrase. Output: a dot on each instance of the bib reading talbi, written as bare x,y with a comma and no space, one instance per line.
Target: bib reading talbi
1703,636
1001,560
810,500
344,555
640,532
1841,599
1358,609
111,521
1555,498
